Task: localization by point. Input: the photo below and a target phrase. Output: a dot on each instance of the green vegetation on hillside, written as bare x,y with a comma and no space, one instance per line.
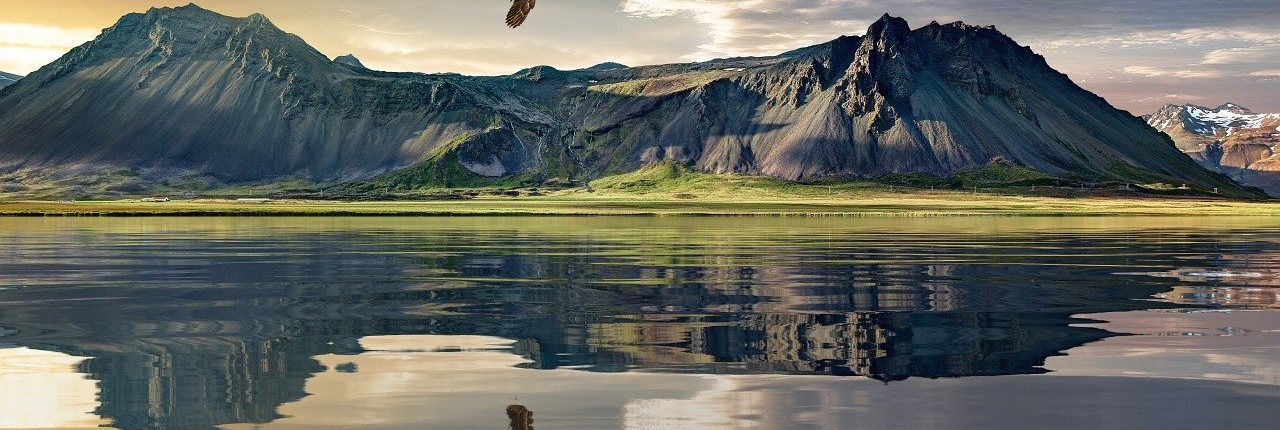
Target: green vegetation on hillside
658,86
673,189
441,170
679,181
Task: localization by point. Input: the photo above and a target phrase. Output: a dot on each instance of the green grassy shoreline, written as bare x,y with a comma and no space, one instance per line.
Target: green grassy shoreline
920,203
674,190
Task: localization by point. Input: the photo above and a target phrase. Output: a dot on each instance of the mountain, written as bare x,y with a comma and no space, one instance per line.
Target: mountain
187,96
8,78
606,66
1230,139
349,60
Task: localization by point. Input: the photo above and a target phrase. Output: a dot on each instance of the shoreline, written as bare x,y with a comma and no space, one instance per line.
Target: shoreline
879,206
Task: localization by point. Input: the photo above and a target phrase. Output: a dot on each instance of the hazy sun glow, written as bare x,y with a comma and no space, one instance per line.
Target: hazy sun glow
41,389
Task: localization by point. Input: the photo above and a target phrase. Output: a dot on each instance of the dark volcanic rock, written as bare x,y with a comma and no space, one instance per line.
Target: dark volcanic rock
349,60
192,91
603,67
234,98
7,79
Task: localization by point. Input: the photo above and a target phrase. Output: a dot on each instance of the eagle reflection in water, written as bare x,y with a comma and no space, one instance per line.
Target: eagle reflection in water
521,417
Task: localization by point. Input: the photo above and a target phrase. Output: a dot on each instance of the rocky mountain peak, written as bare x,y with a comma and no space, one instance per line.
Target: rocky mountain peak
1223,120
259,19
194,26
189,8
889,28
539,73
349,60
1233,108
606,66
162,38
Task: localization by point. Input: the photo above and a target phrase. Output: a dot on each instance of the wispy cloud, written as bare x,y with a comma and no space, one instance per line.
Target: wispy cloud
1156,72
1261,54
383,24
756,27
1168,97
1218,63
42,36
1187,37
25,47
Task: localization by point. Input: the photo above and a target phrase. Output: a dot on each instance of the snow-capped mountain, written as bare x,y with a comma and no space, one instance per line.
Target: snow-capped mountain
1221,121
1229,138
8,78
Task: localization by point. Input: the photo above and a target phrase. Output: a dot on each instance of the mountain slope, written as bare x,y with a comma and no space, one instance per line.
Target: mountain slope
1230,139
189,90
7,79
184,93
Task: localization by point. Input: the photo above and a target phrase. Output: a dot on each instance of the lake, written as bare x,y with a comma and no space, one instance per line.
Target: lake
640,323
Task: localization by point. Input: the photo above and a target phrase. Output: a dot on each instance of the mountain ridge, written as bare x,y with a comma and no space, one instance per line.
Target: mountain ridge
1230,139
188,95
349,60
7,79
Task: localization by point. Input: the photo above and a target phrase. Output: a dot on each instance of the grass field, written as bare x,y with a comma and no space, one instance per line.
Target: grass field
903,203
673,190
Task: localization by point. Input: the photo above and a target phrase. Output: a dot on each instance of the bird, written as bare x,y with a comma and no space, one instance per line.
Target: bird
519,12
521,417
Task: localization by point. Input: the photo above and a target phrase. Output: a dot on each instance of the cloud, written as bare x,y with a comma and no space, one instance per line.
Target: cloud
1274,73
1168,97
1187,37
42,36
384,24
1262,54
25,47
756,27
1218,63
1155,72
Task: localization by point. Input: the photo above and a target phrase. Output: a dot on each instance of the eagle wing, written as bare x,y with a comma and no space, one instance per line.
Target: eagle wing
519,12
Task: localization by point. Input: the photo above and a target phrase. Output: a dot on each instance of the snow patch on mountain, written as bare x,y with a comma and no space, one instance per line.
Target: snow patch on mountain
1221,121
1229,139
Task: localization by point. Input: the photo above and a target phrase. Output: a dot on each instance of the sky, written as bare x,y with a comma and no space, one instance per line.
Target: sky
1137,54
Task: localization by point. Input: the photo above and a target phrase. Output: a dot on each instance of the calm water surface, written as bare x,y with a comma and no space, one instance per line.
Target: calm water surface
639,323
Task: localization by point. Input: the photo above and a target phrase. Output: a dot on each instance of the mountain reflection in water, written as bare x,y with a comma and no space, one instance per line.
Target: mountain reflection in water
195,323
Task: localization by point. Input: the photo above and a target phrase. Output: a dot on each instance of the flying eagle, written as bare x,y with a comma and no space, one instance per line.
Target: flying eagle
519,12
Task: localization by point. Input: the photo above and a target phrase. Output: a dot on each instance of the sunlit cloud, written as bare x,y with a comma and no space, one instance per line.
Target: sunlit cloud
42,36
1267,54
25,47
756,27
384,24
1188,37
1168,97
1156,72
1218,63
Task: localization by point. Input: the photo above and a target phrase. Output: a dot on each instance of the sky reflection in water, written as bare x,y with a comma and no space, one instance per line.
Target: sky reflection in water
638,323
